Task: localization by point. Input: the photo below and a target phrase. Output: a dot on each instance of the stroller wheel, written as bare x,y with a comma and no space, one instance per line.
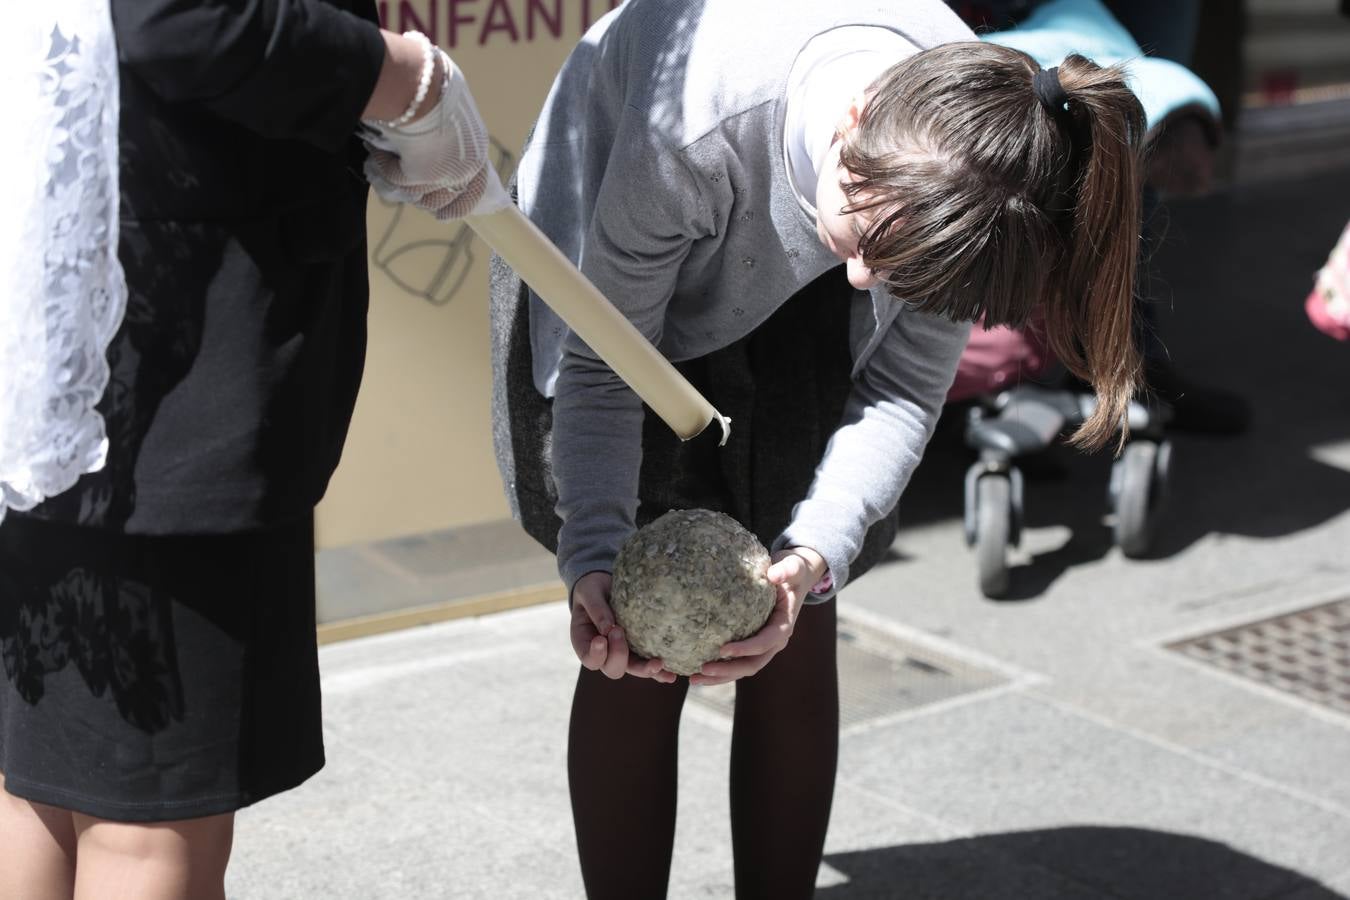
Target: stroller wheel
993,525
1138,487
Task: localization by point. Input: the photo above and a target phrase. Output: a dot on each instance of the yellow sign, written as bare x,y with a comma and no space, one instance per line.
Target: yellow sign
419,456
456,24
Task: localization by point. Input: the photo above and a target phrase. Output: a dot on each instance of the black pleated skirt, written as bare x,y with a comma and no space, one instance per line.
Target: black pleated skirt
157,678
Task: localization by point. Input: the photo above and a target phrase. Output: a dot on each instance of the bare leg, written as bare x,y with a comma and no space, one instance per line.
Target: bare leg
784,752
622,762
37,854
153,860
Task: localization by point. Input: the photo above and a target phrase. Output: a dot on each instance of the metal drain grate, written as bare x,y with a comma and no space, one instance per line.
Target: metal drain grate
1306,653
881,674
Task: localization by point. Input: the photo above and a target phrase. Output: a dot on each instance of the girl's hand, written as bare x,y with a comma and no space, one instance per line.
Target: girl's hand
598,640
795,571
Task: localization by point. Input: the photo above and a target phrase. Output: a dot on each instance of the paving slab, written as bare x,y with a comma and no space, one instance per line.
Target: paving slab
1023,762
436,567
1098,763
446,778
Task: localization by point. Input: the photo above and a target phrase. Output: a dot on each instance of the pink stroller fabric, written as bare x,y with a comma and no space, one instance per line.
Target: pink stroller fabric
998,358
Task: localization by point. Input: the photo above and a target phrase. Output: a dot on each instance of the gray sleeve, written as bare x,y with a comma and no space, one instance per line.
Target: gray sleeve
889,417
648,212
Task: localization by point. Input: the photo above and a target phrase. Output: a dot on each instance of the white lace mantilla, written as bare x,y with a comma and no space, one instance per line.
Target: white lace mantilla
62,291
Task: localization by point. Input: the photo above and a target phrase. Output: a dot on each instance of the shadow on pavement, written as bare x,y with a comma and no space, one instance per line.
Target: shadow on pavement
1237,320
1067,864
1230,278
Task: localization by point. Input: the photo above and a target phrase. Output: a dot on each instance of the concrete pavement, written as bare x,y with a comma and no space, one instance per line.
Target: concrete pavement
1055,745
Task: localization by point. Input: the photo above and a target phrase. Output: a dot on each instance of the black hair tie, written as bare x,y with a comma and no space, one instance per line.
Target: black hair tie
1050,92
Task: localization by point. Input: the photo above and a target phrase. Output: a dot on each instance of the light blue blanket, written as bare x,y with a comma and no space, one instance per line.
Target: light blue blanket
1060,27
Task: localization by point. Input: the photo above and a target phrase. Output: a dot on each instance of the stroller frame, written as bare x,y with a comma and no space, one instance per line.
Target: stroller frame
1028,418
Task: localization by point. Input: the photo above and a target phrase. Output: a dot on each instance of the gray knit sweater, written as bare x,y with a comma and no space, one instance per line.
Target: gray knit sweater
657,166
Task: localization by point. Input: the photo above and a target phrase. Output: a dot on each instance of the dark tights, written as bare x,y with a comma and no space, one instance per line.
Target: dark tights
622,768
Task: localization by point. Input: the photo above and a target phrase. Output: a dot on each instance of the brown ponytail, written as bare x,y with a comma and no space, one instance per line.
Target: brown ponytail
1090,327
986,201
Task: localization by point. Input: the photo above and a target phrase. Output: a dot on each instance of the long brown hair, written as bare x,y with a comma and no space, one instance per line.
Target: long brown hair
988,201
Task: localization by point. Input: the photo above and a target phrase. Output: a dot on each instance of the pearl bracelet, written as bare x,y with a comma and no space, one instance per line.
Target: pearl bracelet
423,82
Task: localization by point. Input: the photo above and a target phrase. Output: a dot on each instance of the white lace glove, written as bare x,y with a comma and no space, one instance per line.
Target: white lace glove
439,162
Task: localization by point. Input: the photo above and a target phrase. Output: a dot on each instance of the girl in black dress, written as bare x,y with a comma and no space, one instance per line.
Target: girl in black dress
157,618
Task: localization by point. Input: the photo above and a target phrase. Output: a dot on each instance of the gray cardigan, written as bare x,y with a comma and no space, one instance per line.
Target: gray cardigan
657,166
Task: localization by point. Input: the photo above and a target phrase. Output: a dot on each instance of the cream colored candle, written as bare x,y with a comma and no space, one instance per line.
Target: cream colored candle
586,311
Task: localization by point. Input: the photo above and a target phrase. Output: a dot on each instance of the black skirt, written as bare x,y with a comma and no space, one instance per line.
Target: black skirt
157,678
784,386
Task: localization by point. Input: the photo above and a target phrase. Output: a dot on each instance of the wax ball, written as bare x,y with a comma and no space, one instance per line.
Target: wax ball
687,583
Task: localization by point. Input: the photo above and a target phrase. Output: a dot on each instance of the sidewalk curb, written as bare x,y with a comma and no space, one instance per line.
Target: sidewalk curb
459,608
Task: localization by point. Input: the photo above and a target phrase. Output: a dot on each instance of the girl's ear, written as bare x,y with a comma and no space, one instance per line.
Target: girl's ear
848,122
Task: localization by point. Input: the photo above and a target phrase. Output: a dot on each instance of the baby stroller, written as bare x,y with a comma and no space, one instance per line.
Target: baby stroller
1012,417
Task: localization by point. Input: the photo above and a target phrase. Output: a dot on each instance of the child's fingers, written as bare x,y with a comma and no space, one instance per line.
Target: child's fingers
591,595
589,644
649,668
616,654
741,659
787,570
604,619
765,641
592,620
769,639
799,566
725,670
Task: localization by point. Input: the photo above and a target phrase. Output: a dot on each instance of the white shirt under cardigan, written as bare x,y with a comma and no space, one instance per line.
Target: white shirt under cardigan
831,71
657,165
